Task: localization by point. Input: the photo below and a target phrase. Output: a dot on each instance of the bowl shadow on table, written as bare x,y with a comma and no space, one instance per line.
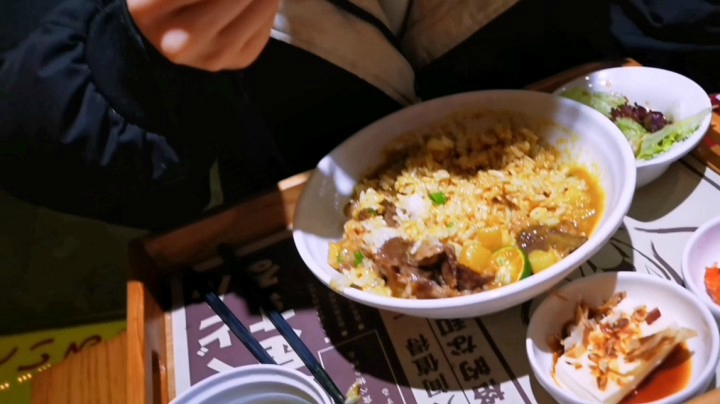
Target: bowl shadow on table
357,333
376,370
356,340
653,216
659,198
539,393
380,360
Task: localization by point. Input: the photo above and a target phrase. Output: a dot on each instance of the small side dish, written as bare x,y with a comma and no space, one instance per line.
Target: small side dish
701,265
712,282
663,115
618,351
650,133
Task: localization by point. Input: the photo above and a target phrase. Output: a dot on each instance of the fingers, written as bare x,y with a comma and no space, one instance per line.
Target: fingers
151,10
191,31
259,16
206,34
242,57
154,20
244,38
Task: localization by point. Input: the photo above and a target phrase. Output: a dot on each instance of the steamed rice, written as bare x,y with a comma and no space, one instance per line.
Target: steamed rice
489,169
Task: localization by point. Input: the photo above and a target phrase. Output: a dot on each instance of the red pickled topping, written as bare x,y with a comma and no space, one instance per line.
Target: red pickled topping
712,283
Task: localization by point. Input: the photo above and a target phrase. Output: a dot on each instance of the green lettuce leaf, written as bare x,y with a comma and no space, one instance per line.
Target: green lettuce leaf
603,102
633,131
663,140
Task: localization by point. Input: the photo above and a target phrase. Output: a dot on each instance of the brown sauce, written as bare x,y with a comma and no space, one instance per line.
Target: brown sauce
597,199
670,377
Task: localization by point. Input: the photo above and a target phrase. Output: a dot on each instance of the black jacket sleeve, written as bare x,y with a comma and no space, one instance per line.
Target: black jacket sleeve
94,122
683,36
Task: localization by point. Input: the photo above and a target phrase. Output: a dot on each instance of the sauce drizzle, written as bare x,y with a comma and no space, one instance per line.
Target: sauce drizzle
670,377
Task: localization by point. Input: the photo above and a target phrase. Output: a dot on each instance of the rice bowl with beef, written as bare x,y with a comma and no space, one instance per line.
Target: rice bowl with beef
579,133
470,203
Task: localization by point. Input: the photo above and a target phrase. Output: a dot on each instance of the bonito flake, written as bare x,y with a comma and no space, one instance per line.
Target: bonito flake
607,351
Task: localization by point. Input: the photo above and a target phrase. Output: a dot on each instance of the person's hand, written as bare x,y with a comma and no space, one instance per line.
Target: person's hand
206,34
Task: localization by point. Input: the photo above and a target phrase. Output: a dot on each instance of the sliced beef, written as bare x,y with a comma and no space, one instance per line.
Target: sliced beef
422,284
431,272
393,253
471,280
448,275
424,289
389,213
548,238
459,277
429,253
415,275
366,213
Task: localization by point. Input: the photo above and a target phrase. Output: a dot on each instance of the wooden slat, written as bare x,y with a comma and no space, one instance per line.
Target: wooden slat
709,149
96,375
147,359
169,362
240,225
550,84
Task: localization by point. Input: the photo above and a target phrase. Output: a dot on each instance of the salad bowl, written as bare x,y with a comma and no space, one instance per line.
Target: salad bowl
632,97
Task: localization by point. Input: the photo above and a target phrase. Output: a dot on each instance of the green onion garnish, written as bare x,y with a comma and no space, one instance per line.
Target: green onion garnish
438,198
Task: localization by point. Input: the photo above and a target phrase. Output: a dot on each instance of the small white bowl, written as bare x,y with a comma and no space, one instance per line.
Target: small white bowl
657,89
702,251
670,298
256,384
593,140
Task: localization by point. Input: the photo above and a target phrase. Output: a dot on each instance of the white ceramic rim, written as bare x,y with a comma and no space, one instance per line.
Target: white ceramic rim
219,381
699,290
549,383
588,249
680,149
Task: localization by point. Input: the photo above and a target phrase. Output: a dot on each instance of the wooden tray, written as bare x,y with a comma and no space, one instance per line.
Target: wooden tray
150,372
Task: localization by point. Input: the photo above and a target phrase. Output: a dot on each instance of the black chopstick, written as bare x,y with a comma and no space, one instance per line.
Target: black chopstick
253,292
233,323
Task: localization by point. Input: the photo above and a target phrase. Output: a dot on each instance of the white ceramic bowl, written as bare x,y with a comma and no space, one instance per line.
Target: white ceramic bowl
319,215
702,251
254,384
671,299
657,89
